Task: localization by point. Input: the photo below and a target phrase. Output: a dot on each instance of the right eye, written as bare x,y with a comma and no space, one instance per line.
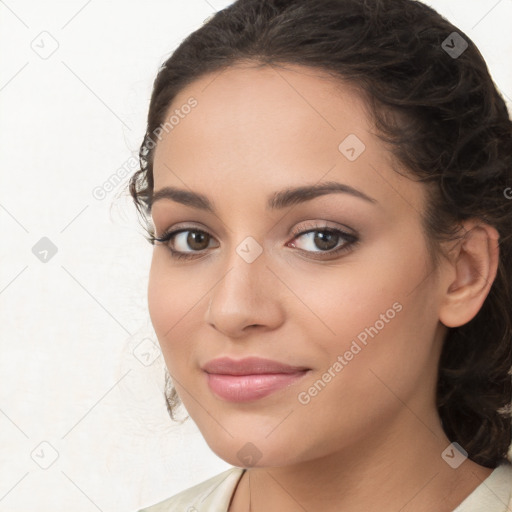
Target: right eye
194,238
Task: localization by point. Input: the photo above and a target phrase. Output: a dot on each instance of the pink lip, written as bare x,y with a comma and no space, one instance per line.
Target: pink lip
250,378
248,366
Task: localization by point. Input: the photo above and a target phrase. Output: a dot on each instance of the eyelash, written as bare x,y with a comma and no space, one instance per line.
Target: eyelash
350,241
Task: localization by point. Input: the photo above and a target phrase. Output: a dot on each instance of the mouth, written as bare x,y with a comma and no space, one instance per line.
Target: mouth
251,378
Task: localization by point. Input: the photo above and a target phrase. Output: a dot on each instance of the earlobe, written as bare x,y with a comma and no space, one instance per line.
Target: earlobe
474,264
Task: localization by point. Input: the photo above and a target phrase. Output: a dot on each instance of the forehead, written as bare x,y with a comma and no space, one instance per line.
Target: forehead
264,127
292,101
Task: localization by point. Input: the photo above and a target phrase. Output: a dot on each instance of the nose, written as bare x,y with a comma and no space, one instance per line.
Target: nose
247,296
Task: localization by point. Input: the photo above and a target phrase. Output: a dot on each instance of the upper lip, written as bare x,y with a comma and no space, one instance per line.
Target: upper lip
249,366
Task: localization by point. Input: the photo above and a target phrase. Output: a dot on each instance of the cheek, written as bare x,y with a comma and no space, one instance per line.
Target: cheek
365,290
370,367
174,299
379,314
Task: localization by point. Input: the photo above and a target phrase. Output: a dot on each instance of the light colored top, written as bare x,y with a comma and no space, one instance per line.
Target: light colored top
494,494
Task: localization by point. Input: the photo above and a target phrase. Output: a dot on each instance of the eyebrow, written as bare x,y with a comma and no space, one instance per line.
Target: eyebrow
278,200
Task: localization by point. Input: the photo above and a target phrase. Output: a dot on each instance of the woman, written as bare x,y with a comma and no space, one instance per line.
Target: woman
327,185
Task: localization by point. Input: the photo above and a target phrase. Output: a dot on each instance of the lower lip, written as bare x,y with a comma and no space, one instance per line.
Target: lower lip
244,388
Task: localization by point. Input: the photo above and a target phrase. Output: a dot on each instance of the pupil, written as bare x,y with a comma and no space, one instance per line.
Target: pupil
195,237
322,239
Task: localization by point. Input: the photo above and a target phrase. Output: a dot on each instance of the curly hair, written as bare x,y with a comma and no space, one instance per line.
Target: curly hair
443,120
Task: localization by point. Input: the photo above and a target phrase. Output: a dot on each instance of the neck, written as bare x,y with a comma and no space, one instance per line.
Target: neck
397,469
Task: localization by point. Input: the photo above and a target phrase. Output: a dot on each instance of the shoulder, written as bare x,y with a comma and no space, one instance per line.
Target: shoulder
212,494
494,494
504,480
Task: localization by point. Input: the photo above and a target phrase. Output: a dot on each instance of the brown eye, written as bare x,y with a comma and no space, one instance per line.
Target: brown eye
185,243
188,240
196,240
323,240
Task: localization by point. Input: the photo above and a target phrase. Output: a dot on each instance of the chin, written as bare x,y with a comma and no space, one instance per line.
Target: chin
243,452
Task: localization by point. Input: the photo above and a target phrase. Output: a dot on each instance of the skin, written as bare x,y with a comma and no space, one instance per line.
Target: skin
372,438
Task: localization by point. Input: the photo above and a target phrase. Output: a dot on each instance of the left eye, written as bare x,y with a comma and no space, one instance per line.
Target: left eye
324,239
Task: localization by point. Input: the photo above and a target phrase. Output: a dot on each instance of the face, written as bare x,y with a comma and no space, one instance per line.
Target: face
338,283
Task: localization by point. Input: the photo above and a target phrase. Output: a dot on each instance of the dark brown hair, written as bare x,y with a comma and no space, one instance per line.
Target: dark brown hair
445,123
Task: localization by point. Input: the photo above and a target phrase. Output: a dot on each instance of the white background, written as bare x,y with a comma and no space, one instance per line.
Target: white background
69,327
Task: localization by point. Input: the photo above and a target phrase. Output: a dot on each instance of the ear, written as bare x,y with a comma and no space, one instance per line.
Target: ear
471,270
